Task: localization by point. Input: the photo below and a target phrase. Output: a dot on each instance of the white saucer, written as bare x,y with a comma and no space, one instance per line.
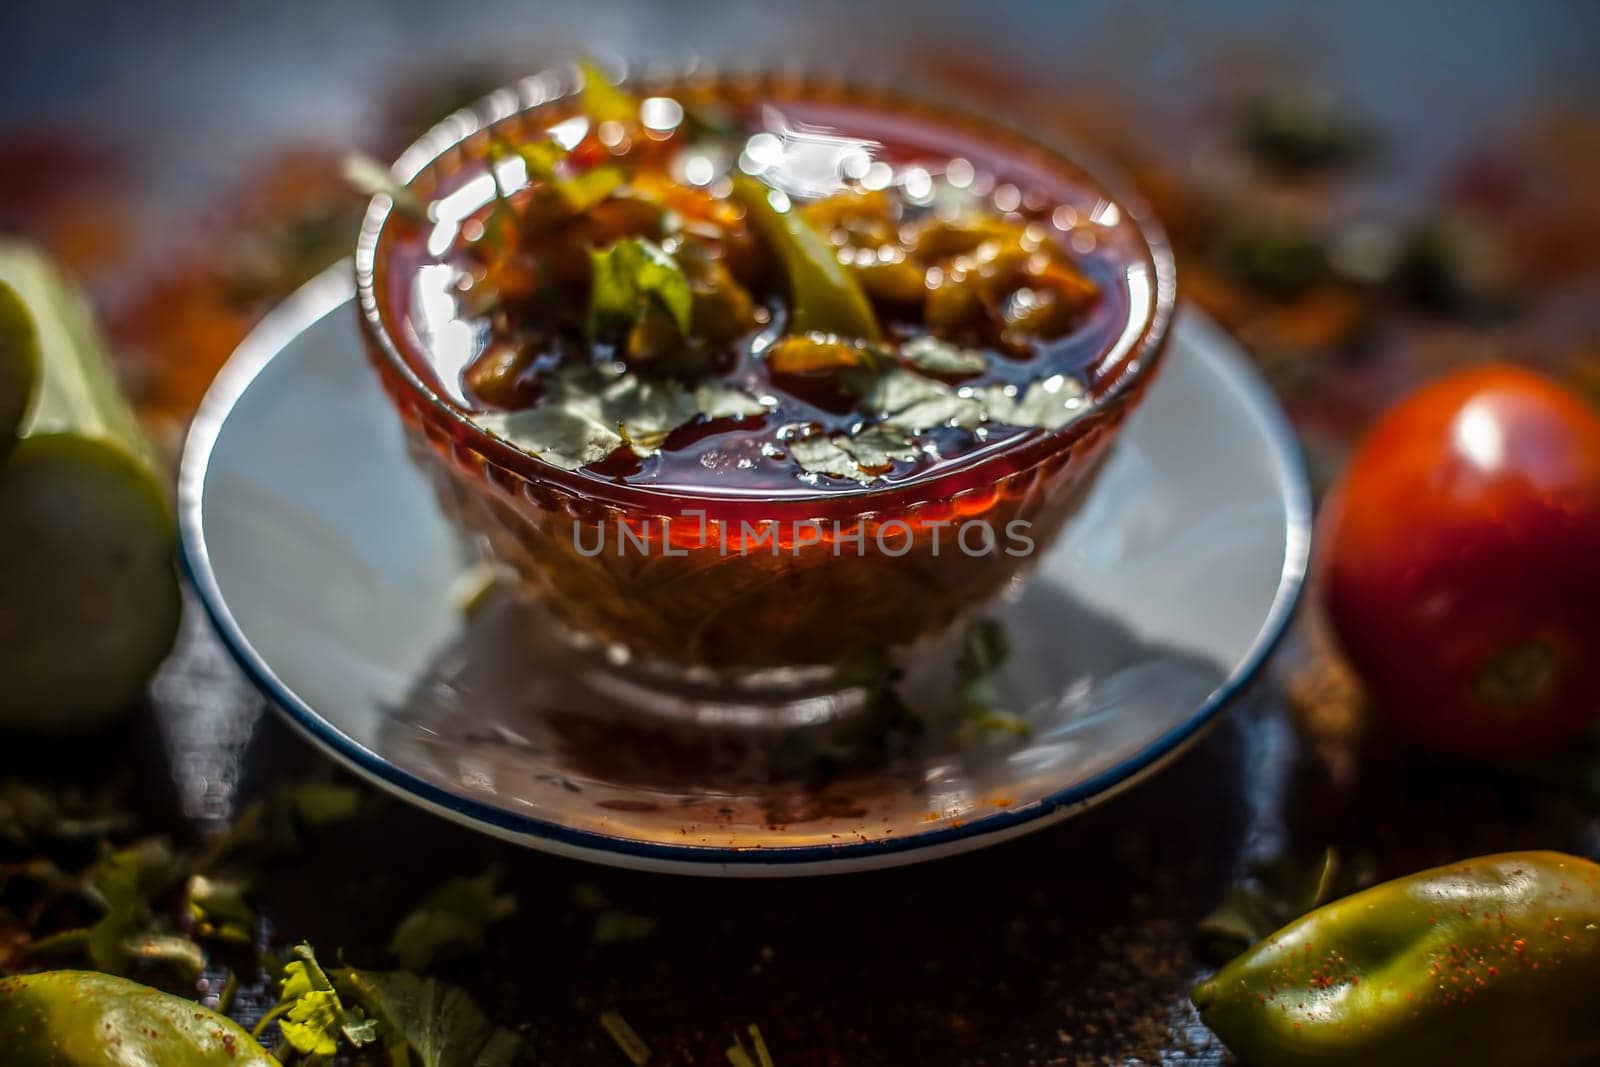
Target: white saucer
330,573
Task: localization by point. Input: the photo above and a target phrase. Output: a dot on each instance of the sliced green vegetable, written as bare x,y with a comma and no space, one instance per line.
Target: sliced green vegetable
19,364
1492,961
88,596
824,297
311,1015
84,1019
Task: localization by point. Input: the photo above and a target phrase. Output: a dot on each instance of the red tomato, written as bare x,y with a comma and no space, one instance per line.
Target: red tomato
1461,563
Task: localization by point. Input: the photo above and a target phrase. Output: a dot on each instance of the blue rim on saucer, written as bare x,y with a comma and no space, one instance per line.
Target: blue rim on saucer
317,307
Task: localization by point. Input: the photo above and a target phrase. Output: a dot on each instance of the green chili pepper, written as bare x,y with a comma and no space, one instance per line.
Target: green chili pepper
87,1019
823,296
1490,961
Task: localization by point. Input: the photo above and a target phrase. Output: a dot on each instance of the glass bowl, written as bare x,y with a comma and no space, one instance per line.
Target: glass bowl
776,592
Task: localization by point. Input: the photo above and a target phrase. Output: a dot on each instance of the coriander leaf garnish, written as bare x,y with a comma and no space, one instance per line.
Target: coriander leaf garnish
589,412
1049,404
439,1022
861,456
32,813
717,401
451,921
820,454
913,403
570,434
933,355
270,826
876,448
646,410
629,278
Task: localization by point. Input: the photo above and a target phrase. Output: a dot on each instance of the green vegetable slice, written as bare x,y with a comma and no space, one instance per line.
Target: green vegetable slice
84,1019
824,297
88,596
19,364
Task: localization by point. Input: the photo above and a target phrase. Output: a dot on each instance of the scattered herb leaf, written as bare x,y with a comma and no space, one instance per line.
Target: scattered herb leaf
125,883
451,921
612,926
616,927
30,814
320,804
739,1056
543,160
442,1024
626,1037
218,908
1276,893
311,1015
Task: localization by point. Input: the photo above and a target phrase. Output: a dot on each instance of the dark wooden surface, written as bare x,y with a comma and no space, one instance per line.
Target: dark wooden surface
1069,946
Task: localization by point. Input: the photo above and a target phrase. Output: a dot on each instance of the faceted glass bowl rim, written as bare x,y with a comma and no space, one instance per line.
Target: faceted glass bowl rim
558,84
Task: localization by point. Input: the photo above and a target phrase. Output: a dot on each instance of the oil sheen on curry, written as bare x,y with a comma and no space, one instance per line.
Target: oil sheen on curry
756,299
